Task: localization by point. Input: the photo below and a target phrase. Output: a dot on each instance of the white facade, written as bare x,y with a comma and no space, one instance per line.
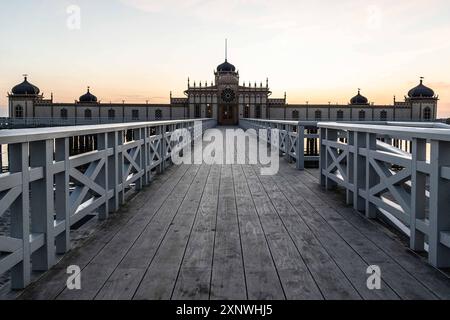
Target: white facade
225,99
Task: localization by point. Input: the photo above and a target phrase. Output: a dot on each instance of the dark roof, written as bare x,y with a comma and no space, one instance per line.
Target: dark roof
226,67
25,88
88,97
421,91
359,99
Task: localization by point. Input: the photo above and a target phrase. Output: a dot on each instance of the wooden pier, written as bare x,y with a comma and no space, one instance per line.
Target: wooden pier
226,232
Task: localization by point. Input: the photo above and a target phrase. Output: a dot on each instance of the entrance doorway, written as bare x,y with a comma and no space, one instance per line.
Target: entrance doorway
228,115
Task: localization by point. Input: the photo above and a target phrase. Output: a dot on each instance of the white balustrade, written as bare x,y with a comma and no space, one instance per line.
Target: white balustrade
411,189
292,138
46,190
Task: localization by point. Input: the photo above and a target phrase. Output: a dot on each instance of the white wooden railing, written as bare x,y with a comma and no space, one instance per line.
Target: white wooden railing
31,122
411,189
298,140
46,190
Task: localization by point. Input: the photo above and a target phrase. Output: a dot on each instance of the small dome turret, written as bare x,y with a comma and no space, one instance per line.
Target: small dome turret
25,88
88,97
359,99
421,91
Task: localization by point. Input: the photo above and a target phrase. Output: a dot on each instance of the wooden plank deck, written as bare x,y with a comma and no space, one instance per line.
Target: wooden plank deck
226,232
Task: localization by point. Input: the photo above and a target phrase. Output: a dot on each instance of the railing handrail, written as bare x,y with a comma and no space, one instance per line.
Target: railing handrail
288,122
36,134
402,129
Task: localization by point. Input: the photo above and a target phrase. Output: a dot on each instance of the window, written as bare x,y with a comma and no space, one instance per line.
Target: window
318,115
135,114
88,114
18,112
64,114
247,111
158,114
258,111
295,115
340,115
209,112
111,114
362,115
197,111
383,115
427,113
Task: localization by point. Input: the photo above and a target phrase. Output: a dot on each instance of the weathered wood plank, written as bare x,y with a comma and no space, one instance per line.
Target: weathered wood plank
167,261
395,277
283,195
329,277
194,279
387,241
103,265
53,282
228,275
261,276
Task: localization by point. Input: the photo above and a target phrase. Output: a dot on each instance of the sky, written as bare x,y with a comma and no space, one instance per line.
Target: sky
136,50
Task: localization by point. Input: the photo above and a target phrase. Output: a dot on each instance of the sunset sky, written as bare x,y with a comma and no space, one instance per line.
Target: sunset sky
138,50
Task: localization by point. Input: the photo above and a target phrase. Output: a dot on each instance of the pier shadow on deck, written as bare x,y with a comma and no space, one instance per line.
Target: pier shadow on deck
226,232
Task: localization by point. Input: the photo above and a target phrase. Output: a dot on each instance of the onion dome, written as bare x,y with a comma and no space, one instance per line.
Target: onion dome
25,88
88,97
359,99
226,67
421,91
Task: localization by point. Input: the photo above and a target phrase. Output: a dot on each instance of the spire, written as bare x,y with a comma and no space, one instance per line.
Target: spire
25,76
359,90
226,50
88,88
421,80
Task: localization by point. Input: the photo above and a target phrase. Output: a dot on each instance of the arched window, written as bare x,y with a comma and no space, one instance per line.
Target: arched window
18,112
258,111
340,115
64,114
209,112
111,114
88,114
383,115
318,115
158,114
427,113
247,111
362,115
295,115
135,114
197,111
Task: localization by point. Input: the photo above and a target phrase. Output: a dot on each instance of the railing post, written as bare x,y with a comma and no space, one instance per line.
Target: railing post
331,135
350,167
359,171
120,160
418,196
162,148
138,136
41,203
20,217
287,143
300,148
103,175
62,206
323,158
371,175
145,136
438,254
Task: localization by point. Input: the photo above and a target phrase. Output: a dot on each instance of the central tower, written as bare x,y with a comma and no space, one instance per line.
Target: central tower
227,82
